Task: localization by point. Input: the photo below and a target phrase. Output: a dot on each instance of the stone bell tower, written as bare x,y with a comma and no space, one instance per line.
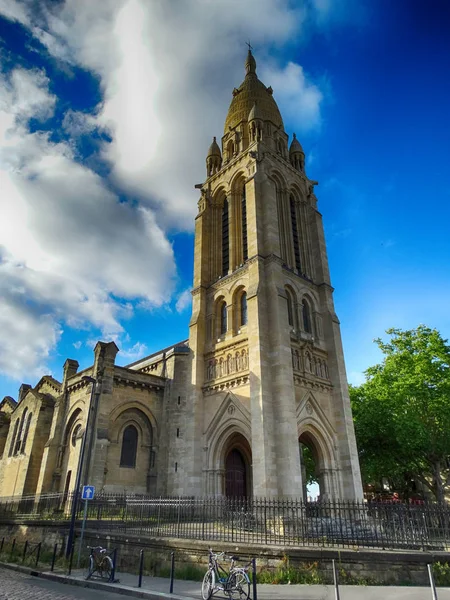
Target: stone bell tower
268,371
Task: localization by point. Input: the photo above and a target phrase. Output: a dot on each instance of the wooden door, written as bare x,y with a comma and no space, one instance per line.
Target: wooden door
236,476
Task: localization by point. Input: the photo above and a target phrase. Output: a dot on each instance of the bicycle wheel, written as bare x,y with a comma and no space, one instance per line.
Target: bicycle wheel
106,567
208,584
239,585
91,568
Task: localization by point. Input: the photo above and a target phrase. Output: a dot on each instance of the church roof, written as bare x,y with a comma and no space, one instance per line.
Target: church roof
8,403
252,91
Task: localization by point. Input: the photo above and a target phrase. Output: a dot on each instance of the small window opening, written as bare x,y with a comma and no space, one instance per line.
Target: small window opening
307,325
223,318
129,447
244,309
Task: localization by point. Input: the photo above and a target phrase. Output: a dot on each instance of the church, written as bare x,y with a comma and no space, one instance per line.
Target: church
230,410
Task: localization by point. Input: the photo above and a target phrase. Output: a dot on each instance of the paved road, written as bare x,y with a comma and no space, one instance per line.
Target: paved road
17,586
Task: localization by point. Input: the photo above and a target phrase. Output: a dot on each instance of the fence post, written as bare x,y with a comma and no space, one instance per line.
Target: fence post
141,567
38,553
432,584
178,516
172,571
71,557
1,545
25,548
55,548
113,572
13,545
254,582
336,583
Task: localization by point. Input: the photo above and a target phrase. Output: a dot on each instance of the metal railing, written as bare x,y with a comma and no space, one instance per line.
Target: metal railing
268,521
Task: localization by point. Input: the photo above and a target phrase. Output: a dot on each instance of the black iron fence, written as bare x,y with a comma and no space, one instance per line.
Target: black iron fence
277,521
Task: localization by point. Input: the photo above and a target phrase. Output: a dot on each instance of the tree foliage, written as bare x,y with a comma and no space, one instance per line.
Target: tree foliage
402,412
309,464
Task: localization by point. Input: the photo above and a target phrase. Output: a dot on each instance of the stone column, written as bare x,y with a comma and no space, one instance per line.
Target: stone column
97,442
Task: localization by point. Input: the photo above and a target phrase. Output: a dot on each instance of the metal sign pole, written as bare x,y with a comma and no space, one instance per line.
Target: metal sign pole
432,584
336,582
82,533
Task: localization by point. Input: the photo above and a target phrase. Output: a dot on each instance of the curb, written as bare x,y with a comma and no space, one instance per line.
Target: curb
124,590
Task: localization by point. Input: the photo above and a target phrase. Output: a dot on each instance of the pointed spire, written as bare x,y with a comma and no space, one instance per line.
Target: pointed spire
250,63
214,149
295,145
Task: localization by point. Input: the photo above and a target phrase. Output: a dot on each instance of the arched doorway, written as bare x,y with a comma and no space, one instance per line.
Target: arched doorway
312,468
237,463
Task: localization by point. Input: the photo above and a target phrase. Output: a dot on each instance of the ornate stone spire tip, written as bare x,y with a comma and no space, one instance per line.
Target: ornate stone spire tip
250,63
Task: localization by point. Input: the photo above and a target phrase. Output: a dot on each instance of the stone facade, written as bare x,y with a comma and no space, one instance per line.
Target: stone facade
262,373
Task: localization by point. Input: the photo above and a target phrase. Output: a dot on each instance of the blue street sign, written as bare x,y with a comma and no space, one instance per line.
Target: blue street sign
88,492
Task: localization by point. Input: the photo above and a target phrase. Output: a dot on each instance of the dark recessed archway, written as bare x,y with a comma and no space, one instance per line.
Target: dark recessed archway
238,467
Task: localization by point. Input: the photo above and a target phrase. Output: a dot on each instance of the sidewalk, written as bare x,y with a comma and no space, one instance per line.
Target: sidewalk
157,588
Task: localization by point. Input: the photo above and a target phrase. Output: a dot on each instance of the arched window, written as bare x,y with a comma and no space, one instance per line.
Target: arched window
230,149
19,434
280,147
243,310
129,447
13,439
223,318
244,225
25,435
295,236
225,239
290,308
307,324
75,432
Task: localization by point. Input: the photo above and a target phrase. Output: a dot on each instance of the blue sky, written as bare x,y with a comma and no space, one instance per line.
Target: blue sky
107,110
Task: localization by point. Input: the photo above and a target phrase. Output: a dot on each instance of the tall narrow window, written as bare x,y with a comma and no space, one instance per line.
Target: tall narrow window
223,318
307,326
244,225
290,307
20,432
25,435
129,447
13,440
295,234
225,239
244,309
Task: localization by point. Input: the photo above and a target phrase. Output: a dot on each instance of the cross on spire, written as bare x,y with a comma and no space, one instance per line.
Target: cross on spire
250,47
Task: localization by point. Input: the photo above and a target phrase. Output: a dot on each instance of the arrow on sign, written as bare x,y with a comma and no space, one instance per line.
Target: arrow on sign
88,492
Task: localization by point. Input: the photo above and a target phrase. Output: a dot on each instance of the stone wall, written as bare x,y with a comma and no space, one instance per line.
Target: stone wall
374,566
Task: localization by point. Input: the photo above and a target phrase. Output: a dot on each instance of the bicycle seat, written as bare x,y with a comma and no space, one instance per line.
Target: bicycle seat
235,558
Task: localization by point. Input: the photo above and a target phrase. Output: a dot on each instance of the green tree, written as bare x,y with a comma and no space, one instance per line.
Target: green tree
402,412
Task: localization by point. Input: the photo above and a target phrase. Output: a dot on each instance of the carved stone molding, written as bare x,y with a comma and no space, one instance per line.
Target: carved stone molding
312,384
211,388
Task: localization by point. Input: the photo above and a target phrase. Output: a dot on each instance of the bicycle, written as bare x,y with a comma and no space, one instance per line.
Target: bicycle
100,562
235,583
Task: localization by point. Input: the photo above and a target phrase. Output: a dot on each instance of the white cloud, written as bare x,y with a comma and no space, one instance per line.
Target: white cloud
71,251
300,98
137,351
184,301
166,72
26,337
